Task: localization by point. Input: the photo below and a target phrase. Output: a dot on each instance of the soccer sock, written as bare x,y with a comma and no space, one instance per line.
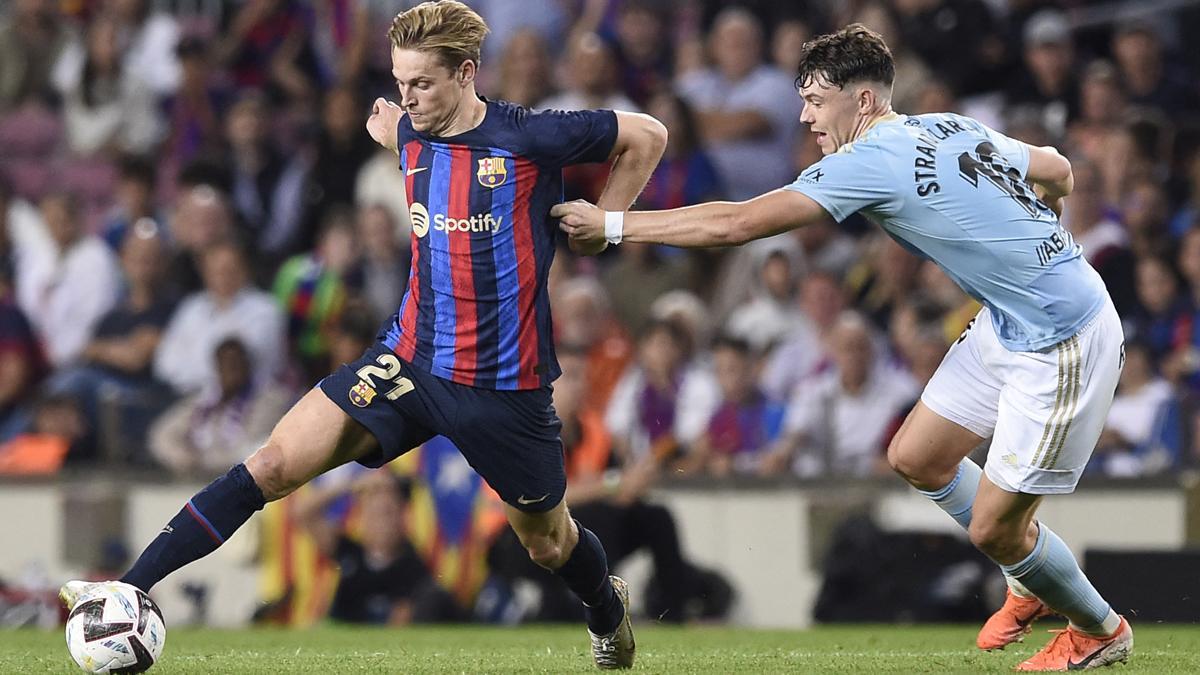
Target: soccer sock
957,498
203,524
1051,573
586,574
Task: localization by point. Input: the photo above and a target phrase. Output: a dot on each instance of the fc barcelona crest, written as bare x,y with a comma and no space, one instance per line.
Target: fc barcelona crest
361,394
491,172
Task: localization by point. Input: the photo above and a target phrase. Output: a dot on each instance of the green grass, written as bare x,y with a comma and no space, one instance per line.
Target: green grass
542,649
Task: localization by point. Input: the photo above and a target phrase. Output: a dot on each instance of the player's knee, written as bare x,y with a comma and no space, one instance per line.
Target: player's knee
901,459
545,550
269,469
998,541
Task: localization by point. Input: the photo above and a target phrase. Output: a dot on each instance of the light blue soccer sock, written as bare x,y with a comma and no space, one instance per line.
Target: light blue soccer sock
1051,573
957,499
958,496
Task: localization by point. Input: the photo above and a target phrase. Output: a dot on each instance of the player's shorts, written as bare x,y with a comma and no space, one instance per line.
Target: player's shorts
1044,410
511,438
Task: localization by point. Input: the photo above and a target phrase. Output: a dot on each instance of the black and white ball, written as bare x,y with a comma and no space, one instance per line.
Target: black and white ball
115,628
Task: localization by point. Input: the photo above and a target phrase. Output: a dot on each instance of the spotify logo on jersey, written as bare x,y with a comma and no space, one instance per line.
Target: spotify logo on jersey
420,219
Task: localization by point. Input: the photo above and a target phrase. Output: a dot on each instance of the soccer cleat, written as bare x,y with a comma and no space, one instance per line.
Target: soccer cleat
1073,650
616,649
71,591
1011,623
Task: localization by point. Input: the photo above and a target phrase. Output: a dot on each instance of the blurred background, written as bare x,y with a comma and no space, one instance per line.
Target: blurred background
195,227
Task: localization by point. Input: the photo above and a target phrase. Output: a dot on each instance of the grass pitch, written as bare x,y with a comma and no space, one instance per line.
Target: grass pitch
546,649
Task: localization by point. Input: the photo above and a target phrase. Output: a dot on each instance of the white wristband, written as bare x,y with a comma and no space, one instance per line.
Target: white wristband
614,226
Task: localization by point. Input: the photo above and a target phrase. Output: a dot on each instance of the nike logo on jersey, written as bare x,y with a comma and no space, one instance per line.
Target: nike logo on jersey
524,501
419,169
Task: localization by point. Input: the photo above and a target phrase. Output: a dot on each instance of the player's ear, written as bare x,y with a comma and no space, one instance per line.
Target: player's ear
466,72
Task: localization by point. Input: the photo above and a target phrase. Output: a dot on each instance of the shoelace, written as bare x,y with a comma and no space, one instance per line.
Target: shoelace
604,648
1061,645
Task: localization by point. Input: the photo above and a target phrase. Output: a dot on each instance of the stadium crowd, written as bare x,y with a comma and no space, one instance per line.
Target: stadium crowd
196,228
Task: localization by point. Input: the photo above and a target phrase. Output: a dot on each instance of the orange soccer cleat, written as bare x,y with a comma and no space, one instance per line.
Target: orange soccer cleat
1011,623
1073,650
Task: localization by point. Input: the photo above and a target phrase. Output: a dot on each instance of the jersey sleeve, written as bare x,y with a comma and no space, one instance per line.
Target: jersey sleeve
843,183
560,138
1016,152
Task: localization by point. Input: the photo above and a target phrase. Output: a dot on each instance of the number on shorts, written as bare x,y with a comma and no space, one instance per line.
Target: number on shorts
390,372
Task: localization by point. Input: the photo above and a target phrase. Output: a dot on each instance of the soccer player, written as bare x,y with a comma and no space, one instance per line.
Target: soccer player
469,353
1035,370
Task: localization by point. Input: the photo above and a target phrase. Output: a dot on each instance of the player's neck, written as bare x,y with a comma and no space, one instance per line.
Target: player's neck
868,122
469,115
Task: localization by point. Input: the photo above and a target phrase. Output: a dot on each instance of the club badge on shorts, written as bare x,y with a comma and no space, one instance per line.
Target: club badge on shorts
361,394
492,173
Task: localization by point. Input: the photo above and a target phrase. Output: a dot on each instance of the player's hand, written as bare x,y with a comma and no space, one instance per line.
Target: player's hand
582,221
385,115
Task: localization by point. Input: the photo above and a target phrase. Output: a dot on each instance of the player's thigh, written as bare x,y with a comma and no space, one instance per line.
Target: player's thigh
1053,408
315,435
511,438
927,448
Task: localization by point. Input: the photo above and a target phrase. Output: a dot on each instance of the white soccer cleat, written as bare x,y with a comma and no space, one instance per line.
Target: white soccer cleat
615,650
71,591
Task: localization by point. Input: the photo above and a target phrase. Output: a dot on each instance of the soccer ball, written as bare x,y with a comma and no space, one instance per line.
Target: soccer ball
115,628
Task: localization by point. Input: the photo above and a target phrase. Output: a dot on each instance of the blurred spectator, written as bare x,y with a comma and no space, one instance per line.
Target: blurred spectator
641,273
959,37
644,47
1149,78
770,315
205,433
311,290
787,39
354,331
591,78
584,319
229,306
1162,308
1047,81
32,38
380,274
22,363
194,111
1187,218
663,402
267,47
383,580
114,372
106,107
1105,242
740,107
202,218
1102,106
343,147
1144,211
1142,435
835,425
380,182
65,291
804,352
685,175
134,200
747,423
54,437
269,188
525,70
911,72
150,38
884,278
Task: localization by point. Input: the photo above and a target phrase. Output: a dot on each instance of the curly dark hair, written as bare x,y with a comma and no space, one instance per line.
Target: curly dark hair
853,54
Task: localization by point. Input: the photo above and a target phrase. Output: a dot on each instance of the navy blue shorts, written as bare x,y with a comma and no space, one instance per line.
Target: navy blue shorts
511,438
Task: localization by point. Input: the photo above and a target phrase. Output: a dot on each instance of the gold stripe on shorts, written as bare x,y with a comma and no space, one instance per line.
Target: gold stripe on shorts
1058,399
1070,417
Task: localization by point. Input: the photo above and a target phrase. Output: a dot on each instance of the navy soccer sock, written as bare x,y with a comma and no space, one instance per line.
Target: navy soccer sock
202,525
586,574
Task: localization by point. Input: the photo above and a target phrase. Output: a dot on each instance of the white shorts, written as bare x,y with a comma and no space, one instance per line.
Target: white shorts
1044,410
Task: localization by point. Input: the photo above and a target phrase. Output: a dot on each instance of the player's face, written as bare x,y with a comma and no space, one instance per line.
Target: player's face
430,93
830,112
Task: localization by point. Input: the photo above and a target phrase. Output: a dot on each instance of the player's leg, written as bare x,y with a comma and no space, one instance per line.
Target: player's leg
311,438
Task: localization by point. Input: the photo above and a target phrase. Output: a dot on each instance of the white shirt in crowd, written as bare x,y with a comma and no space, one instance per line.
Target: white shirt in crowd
698,398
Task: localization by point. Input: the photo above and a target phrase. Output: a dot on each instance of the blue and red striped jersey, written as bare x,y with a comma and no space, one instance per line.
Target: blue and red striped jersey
477,311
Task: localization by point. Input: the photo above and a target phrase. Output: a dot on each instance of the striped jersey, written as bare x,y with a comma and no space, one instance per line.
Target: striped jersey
477,311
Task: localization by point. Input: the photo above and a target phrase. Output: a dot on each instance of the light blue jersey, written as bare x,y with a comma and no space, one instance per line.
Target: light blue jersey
952,190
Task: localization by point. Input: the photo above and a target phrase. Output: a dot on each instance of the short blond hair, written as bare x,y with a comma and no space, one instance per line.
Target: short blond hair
448,28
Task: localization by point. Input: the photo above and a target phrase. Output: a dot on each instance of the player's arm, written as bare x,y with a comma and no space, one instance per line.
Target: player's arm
1051,175
703,225
385,115
639,145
